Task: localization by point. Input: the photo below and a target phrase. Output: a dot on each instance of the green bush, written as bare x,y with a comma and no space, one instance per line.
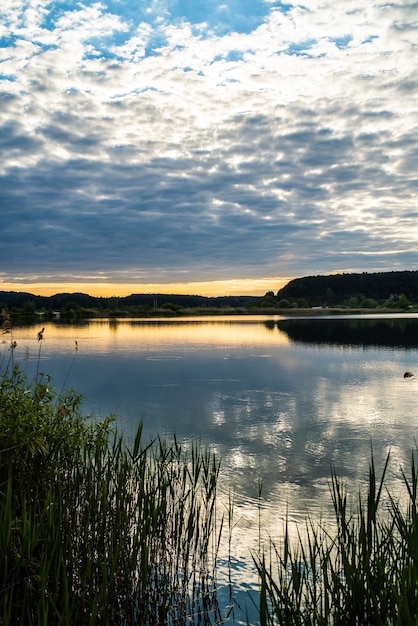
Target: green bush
93,531
369,303
42,435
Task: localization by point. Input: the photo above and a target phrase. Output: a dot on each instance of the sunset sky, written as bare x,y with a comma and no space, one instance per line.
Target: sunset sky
205,146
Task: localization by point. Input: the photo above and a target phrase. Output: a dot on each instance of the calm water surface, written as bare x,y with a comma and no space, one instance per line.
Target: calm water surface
280,400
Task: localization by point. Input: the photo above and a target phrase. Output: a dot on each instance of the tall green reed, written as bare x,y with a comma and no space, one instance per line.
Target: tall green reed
6,330
365,572
96,531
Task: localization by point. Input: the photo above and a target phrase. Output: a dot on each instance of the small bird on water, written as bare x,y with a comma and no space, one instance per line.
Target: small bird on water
409,375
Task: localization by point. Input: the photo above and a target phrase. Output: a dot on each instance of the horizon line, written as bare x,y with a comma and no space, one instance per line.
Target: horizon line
256,287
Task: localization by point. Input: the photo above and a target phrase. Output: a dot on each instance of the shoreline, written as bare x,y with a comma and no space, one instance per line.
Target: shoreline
91,315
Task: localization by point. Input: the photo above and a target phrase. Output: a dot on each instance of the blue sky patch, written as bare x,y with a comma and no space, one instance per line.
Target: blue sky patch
301,48
342,42
241,16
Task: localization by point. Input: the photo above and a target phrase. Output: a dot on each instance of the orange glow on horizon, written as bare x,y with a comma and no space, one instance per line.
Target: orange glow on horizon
238,287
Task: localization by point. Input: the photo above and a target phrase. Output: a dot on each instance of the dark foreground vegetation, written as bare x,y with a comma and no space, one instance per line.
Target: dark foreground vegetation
362,570
94,531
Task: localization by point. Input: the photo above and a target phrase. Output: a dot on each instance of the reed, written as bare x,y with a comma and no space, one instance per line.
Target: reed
7,340
93,531
366,572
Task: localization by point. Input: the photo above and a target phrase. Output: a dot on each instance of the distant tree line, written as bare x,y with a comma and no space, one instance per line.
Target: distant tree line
396,290
384,289
77,303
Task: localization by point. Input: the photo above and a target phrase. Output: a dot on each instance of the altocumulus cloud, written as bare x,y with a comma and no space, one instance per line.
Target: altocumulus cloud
169,140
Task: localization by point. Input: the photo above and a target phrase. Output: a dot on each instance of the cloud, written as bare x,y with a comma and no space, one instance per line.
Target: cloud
221,140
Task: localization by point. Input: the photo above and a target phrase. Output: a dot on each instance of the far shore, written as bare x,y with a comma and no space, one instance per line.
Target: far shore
221,311
85,315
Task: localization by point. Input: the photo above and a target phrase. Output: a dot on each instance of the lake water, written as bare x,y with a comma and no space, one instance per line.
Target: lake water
280,400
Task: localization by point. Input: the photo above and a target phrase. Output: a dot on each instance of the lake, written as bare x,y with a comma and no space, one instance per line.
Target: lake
280,400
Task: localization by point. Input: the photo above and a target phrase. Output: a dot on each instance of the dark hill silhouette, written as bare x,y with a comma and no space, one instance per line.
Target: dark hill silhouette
336,289
59,301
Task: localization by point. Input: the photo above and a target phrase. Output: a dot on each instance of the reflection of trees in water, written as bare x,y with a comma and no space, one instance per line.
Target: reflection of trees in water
367,332
270,324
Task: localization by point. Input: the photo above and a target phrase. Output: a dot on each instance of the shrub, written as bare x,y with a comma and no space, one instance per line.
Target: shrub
369,303
96,531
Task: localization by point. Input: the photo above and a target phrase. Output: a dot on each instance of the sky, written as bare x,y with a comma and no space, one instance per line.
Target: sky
205,146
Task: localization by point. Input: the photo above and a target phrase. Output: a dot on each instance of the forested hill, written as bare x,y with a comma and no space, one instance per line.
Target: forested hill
353,290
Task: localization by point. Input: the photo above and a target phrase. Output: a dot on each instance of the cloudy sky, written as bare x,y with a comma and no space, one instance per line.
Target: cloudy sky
206,145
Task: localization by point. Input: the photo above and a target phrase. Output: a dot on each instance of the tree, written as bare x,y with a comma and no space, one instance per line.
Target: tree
403,301
113,303
269,299
369,303
29,307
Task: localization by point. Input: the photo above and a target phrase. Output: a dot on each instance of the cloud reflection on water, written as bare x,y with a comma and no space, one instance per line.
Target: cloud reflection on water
278,405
